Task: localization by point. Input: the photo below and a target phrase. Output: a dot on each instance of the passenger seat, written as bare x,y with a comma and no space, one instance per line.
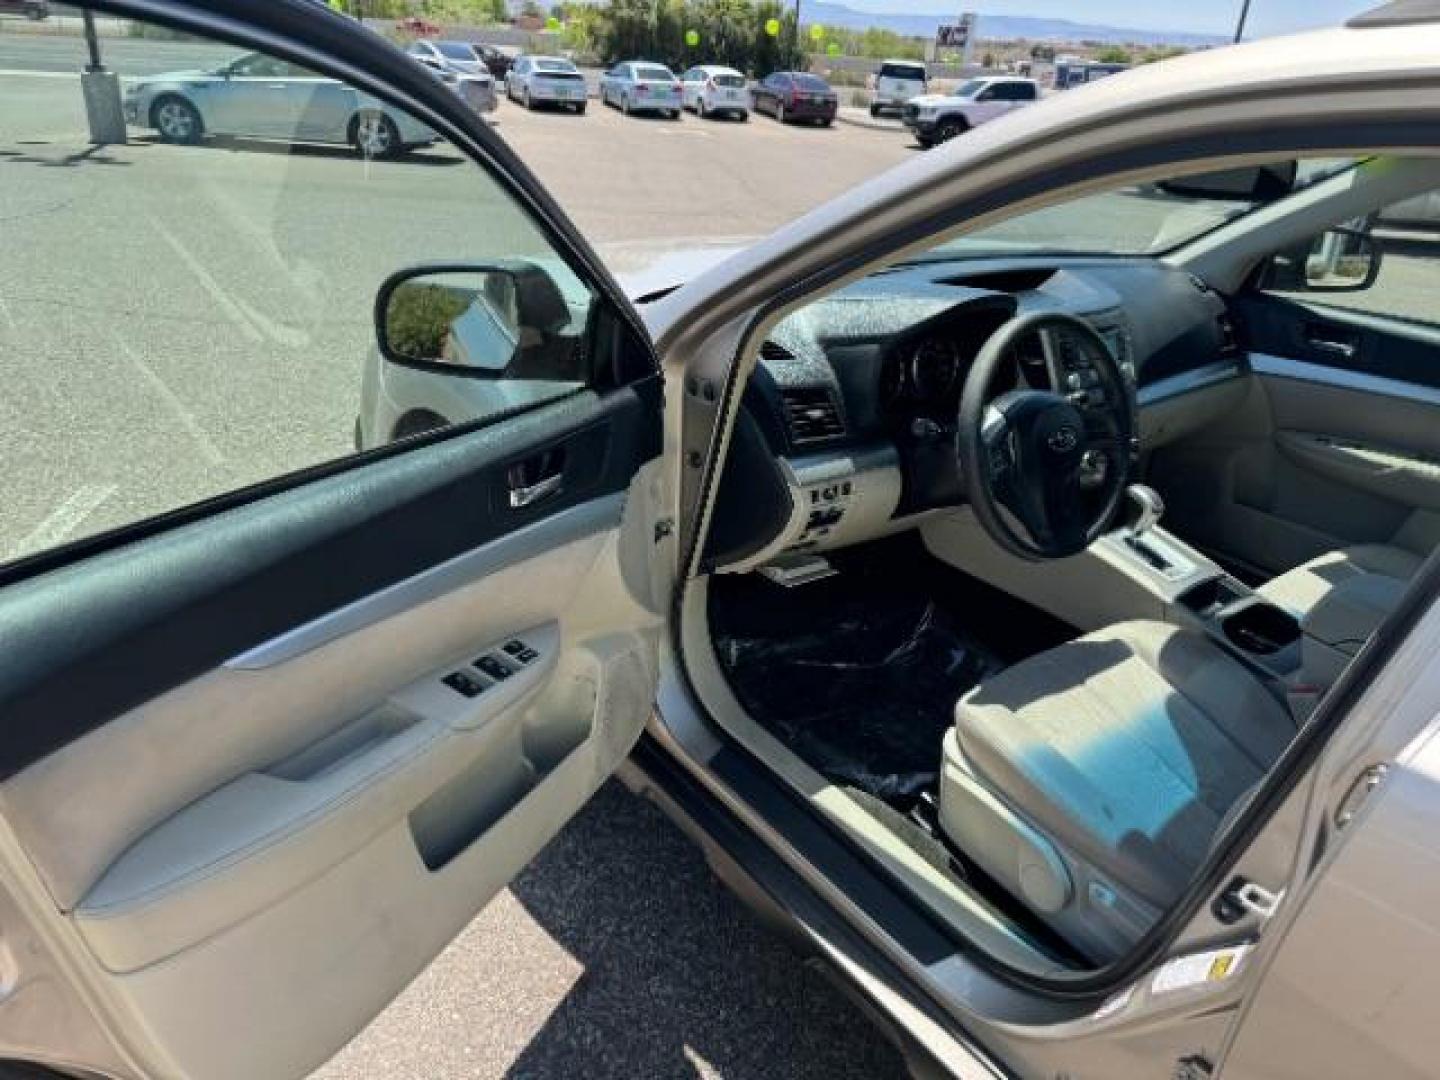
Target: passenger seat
1298,591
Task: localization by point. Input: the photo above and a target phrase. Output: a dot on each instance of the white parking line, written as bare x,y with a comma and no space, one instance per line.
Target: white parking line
184,415
64,519
226,303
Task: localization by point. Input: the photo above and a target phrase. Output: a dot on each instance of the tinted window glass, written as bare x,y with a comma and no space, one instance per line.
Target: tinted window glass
735,82
196,316
901,71
654,71
1408,281
812,85
456,50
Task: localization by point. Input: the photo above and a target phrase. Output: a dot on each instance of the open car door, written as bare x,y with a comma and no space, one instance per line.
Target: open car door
269,745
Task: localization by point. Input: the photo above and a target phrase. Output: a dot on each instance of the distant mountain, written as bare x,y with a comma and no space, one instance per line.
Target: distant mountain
1003,27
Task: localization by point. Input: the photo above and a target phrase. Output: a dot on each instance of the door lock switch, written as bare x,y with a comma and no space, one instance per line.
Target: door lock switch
517,650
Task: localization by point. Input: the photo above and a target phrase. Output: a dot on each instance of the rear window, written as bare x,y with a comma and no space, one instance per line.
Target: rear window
735,82
810,84
902,71
654,71
554,65
456,50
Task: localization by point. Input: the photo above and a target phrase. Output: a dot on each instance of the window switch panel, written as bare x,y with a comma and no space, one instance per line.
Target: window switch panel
493,666
462,682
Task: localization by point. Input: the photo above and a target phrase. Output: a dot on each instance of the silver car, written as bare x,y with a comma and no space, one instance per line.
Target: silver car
642,86
266,97
461,69
546,80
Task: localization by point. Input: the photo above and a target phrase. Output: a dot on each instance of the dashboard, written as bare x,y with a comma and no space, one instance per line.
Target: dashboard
848,424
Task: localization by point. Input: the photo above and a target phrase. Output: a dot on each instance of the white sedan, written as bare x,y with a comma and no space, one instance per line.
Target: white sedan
546,80
712,90
266,97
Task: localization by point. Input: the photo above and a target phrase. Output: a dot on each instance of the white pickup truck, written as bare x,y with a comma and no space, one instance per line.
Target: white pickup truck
937,118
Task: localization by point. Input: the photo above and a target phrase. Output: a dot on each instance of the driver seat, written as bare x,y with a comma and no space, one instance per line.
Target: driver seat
1090,781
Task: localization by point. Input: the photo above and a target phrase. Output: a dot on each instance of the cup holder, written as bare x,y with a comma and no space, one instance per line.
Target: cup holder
1261,629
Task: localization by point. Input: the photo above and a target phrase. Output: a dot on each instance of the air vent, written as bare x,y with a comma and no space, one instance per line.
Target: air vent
775,353
811,414
1229,339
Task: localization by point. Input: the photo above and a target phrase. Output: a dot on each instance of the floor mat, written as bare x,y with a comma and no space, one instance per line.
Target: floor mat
858,674
864,690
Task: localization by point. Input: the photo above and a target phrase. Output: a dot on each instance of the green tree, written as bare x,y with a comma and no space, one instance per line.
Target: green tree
729,32
1113,54
1164,53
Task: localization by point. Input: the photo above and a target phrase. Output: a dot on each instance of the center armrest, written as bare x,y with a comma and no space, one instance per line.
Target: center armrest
1337,626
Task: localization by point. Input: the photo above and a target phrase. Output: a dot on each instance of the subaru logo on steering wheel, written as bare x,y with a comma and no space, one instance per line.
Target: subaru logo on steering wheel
1063,439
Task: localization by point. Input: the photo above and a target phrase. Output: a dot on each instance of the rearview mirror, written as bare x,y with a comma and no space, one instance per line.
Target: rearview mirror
478,320
1252,184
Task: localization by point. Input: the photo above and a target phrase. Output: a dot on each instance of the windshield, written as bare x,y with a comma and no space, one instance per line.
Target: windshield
455,50
811,84
970,89
1139,219
653,71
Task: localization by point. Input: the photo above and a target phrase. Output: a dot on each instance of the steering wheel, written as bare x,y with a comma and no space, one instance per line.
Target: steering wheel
1046,470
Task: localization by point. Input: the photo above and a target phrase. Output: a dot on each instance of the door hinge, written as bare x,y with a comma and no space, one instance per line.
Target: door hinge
663,528
1363,787
1242,898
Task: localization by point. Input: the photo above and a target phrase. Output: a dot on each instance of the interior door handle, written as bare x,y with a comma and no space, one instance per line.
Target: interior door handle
522,495
1332,341
1343,349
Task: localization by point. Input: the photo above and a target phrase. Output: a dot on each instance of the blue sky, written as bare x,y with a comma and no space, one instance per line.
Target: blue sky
1214,16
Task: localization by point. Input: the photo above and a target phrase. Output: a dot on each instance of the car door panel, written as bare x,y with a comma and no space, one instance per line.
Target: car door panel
235,770
1332,447
255,105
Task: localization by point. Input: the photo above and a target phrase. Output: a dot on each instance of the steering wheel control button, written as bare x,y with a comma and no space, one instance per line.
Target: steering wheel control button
493,666
462,682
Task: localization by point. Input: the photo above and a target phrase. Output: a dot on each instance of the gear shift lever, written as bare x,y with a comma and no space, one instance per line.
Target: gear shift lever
1150,508
1147,507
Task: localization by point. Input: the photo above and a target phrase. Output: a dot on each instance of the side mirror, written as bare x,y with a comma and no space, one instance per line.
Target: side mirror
485,321
1338,260
1253,184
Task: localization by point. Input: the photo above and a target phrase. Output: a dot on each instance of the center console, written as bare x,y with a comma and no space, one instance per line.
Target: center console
1230,612
1238,618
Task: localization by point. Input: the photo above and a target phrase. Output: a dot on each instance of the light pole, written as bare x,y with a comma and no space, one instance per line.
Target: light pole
101,90
1240,26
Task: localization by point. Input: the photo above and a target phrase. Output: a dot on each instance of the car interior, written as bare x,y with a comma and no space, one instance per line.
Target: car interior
1026,569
